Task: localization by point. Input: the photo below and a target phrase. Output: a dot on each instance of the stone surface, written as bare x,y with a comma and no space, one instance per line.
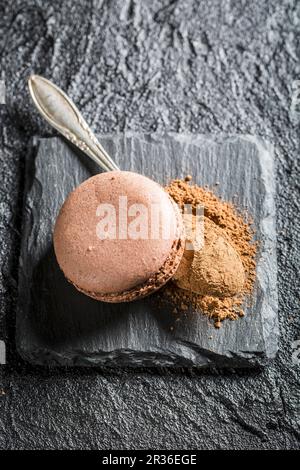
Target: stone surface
192,66
58,325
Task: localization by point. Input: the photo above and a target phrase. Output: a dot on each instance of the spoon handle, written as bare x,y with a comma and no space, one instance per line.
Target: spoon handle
55,106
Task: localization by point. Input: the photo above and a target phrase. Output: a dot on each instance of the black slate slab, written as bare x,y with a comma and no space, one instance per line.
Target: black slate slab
58,325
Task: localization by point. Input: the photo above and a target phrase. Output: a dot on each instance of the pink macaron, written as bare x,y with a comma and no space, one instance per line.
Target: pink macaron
119,237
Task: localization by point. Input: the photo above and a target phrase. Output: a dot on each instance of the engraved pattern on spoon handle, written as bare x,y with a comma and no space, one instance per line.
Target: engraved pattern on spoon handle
61,113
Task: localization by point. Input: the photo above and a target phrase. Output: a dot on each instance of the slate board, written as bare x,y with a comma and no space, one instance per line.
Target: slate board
56,325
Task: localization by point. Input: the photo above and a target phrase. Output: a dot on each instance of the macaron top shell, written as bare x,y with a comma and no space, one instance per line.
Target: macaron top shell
104,242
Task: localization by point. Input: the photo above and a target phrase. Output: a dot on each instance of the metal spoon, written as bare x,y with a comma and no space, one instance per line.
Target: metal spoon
55,106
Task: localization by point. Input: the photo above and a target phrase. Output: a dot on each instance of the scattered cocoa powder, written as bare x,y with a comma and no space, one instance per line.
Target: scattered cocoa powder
210,264
238,232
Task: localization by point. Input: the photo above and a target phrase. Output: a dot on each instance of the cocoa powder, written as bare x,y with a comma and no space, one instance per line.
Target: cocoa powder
210,264
215,300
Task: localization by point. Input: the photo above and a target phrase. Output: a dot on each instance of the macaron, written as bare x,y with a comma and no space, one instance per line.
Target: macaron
119,237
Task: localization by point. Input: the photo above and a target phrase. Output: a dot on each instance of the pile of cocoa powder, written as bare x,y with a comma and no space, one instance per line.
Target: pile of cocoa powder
241,235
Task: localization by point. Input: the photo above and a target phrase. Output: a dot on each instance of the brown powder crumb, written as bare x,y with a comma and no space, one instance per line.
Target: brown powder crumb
212,266
240,234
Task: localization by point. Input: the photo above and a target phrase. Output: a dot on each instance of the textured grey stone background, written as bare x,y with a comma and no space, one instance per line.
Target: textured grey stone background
181,65
55,324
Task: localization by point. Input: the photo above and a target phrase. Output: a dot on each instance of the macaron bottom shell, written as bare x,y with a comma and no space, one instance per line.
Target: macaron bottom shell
154,283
